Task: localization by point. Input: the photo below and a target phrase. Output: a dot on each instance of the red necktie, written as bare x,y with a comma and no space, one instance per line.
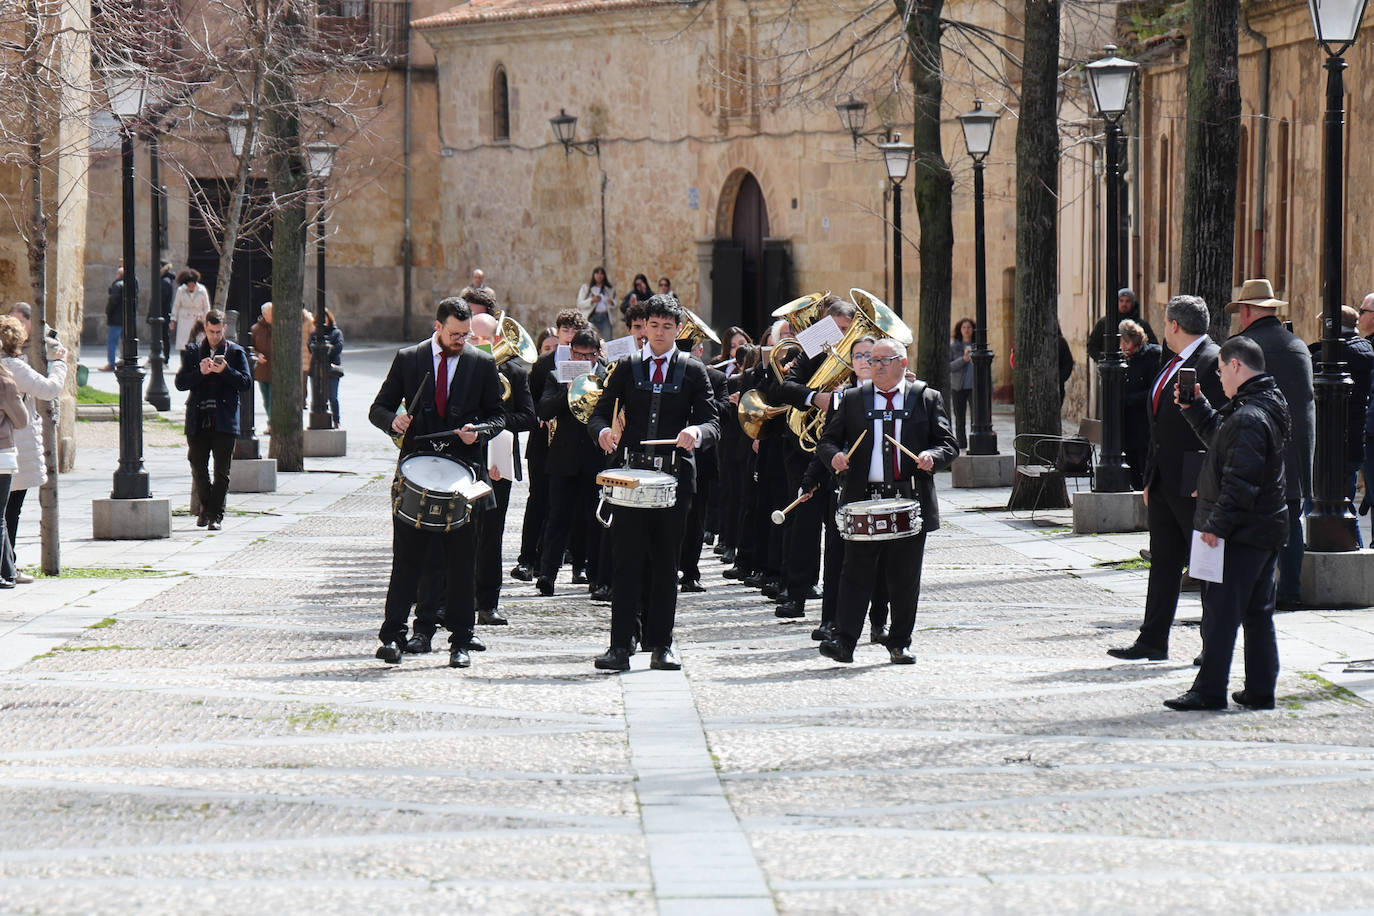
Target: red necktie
658,368
1159,386
890,429
441,387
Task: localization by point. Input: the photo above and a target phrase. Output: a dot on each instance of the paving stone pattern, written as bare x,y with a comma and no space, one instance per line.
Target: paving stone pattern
228,744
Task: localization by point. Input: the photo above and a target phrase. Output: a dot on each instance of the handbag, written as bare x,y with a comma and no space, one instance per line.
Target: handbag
335,372
9,460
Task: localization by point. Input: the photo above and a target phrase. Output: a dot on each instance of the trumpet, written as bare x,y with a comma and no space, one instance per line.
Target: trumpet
754,412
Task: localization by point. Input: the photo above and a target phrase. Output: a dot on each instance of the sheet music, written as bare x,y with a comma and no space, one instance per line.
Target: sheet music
571,369
501,454
1205,562
564,352
814,338
621,346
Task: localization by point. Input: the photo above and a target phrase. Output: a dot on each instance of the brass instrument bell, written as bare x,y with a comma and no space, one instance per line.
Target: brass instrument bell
696,330
512,341
803,312
754,412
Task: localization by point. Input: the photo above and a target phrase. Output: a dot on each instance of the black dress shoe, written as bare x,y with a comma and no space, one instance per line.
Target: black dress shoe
614,660
601,593
1137,651
418,645
202,520
1286,604
772,588
814,594
728,556
475,645
491,619
901,655
754,580
390,653
544,586
834,648
1243,698
708,538
458,658
1197,660
1193,701
216,523
693,585
734,572
579,577
823,632
790,610
877,635
522,572
719,550
665,659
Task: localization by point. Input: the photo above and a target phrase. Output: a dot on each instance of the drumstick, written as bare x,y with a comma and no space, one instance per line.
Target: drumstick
850,454
658,442
780,515
906,450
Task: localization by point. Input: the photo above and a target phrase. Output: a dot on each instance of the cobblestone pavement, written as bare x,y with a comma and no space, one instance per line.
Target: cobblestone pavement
216,737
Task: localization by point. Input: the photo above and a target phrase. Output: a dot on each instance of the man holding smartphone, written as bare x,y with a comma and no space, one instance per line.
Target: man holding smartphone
213,372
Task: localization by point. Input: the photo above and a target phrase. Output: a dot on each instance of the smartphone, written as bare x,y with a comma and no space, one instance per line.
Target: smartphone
219,359
1187,380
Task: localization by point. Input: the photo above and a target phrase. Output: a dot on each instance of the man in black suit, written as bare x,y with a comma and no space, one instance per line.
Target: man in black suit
665,394
1171,468
913,414
446,386
573,463
708,478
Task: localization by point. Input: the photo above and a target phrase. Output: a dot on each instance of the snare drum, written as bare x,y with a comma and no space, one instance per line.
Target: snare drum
638,488
879,519
435,492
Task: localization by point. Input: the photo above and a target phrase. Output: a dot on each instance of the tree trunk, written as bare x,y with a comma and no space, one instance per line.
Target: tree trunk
933,187
1209,168
1036,376
286,168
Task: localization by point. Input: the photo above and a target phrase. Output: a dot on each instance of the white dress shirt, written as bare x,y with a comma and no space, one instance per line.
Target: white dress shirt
451,364
876,462
1163,379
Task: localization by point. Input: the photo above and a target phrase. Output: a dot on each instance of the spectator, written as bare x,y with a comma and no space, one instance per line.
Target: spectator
333,338
665,286
961,377
1290,364
1127,306
477,281
189,305
114,319
1142,365
13,416
1242,500
639,292
167,292
261,332
1358,356
33,387
307,331
594,300
213,372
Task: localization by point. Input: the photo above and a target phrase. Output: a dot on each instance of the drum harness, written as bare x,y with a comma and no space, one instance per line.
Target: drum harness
890,489
640,373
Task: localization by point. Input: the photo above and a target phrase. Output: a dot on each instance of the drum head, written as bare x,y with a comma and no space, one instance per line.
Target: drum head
435,472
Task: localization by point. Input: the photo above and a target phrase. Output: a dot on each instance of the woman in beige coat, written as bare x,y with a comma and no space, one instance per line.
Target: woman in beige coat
189,305
13,416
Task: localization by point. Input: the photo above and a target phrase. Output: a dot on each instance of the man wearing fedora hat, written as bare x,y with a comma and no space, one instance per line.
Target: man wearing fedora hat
1287,360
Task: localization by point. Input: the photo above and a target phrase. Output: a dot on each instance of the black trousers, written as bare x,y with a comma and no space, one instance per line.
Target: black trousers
749,549
449,557
1243,598
571,501
1170,519
901,560
694,534
730,489
201,445
646,540
13,506
960,397
490,533
536,514
802,530
772,494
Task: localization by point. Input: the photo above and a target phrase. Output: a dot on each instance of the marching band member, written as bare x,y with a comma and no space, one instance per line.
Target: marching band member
665,394
913,414
708,482
447,387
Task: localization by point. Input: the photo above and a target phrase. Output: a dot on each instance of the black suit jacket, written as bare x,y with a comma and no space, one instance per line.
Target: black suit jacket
474,397
569,452
925,427
541,375
692,405
1176,453
708,462
520,416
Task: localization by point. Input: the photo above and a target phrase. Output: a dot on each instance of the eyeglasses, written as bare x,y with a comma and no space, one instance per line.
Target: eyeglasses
879,361
585,356
861,357
1363,311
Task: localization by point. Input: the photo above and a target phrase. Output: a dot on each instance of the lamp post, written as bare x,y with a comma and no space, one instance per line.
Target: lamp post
897,159
127,87
320,161
158,396
1331,524
1110,80
979,126
246,445
852,114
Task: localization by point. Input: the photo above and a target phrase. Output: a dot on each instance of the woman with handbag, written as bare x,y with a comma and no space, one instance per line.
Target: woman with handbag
13,416
333,339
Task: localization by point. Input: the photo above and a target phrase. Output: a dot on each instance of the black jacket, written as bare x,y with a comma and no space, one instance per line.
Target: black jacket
114,303
540,377
1176,453
925,427
1099,331
216,390
569,451
520,416
693,404
1240,491
1358,356
1287,360
1141,370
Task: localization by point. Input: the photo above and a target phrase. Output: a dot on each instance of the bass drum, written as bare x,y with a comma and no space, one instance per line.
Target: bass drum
435,493
879,520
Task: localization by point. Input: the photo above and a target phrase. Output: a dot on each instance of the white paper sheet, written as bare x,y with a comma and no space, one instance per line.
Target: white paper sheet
1205,562
562,353
621,346
501,455
572,368
814,338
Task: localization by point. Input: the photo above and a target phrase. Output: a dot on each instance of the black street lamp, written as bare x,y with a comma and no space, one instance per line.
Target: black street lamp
127,86
565,129
158,395
897,159
979,126
246,445
1110,80
320,161
1331,524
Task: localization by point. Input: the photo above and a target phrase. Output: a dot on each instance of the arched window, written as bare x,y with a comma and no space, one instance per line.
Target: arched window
500,105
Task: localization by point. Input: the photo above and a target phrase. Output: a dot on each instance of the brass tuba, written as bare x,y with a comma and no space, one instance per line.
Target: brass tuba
512,341
584,392
696,330
754,411
804,312
872,318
